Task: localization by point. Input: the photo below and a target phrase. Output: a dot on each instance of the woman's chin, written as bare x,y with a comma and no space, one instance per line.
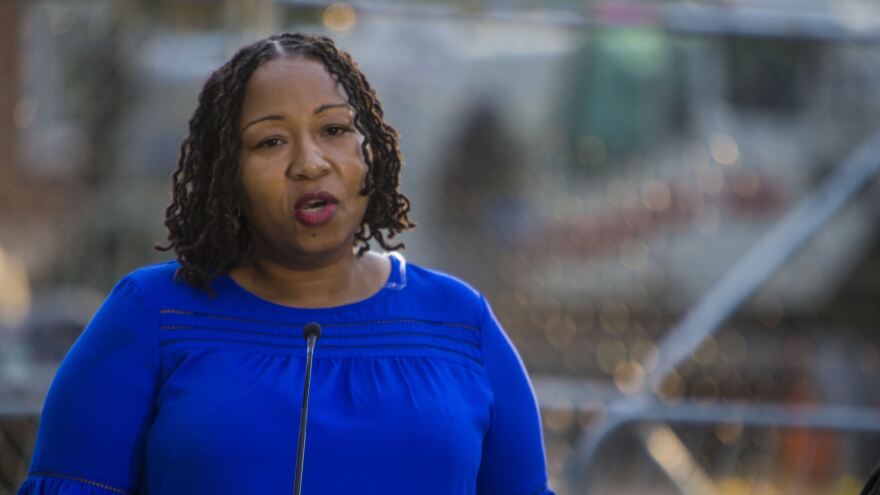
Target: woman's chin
316,249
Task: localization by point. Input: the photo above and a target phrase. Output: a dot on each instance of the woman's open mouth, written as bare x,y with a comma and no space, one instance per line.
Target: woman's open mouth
315,208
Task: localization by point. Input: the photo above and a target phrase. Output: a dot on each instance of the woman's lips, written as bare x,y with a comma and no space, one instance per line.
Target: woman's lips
315,208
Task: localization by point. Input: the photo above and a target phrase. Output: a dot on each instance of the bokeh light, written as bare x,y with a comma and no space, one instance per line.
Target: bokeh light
724,149
15,291
339,17
656,195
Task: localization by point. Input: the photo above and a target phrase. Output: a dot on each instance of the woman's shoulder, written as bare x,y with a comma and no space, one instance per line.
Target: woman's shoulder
437,280
160,281
155,276
446,292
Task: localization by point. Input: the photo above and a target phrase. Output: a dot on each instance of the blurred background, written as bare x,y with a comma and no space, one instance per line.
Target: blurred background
672,206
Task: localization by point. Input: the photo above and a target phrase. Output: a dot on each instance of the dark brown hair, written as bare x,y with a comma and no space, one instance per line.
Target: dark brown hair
206,228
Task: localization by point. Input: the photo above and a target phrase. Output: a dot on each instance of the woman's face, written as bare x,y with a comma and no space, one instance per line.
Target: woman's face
301,163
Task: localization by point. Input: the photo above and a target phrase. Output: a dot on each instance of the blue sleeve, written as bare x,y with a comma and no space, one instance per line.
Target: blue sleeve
100,405
513,461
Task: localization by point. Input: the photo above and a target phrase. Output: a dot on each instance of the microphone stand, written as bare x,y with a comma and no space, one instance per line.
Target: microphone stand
311,332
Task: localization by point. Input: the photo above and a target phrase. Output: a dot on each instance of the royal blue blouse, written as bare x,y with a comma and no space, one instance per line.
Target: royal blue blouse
169,391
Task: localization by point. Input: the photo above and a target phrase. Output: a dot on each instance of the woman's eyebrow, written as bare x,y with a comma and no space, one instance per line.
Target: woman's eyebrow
328,106
319,109
261,119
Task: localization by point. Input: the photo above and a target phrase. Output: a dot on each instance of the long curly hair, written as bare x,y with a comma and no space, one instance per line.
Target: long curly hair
206,227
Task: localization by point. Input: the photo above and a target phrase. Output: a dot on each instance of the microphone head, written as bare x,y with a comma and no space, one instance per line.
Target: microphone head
311,328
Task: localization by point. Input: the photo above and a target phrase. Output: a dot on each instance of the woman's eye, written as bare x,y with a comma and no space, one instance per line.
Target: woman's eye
269,143
335,130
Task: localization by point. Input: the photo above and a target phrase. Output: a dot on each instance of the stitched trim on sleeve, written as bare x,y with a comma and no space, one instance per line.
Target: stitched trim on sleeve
102,486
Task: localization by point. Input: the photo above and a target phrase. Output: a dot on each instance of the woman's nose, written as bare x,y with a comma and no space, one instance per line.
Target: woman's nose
308,162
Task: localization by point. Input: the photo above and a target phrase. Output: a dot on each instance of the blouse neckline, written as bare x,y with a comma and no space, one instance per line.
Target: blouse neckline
396,281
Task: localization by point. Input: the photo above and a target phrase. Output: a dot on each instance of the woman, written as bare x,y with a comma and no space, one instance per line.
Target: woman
189,378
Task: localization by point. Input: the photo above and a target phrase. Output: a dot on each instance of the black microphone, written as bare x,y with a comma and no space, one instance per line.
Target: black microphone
311,332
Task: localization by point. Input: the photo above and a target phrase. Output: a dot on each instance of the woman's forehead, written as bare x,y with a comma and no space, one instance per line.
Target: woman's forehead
293,77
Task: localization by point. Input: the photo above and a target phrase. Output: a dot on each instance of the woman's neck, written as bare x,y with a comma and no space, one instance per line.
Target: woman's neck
332,283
